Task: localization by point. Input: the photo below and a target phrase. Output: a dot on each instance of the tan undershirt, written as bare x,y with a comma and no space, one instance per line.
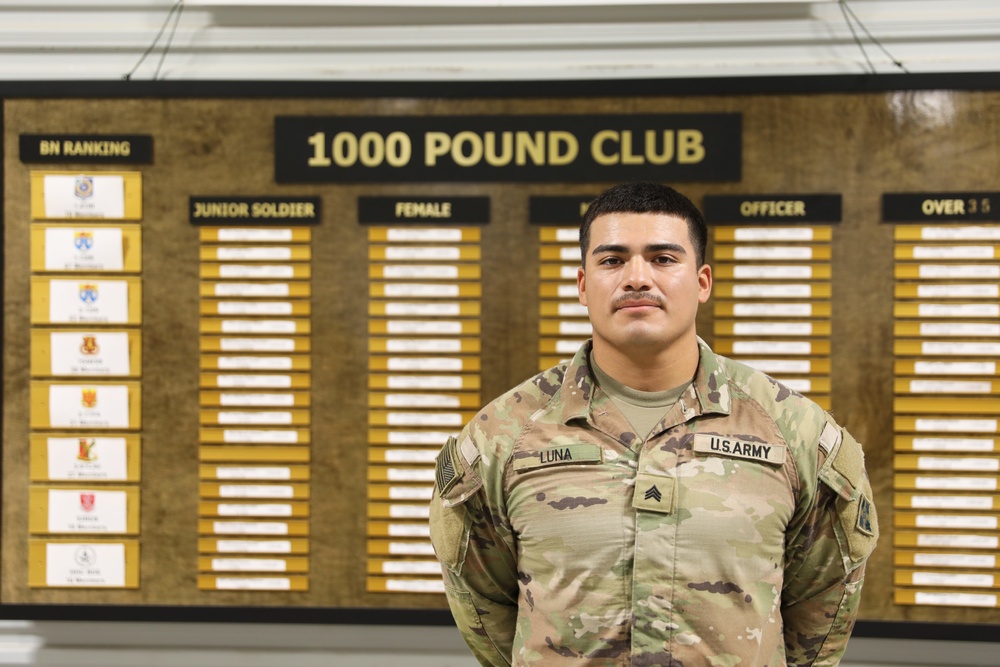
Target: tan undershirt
642,409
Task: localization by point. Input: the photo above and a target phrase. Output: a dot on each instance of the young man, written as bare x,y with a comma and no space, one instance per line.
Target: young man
651,503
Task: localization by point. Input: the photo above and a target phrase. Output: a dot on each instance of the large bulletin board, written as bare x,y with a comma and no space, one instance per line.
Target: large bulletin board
238,328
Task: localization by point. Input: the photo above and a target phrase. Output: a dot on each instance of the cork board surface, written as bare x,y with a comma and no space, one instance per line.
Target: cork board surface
858,145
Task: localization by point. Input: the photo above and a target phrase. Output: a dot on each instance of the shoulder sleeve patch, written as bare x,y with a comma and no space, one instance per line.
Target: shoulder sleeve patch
445,473
843,472
456,481
454,474
866,515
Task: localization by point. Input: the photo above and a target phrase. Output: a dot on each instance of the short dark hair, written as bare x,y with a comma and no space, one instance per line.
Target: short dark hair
642,197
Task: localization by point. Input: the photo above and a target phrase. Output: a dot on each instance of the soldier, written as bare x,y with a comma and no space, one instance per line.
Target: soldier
650,502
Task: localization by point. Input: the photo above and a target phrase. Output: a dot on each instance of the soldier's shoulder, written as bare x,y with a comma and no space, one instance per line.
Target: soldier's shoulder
501,420
796,416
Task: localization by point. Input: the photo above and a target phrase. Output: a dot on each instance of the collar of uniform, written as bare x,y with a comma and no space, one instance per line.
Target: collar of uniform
709,388
711,383
578,385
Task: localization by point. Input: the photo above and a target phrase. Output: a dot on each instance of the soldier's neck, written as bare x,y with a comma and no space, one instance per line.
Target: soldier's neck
646,369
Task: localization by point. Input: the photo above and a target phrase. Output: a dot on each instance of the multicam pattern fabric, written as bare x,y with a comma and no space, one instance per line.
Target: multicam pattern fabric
734,535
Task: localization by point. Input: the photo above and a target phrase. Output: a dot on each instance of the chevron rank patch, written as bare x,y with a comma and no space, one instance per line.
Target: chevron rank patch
654,493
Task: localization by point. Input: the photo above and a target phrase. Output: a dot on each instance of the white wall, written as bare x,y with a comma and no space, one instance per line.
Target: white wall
488,39
441,40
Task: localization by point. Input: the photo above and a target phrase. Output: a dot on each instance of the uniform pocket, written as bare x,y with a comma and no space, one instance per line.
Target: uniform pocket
463,608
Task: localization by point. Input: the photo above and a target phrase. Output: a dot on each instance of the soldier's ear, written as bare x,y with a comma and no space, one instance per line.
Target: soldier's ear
704,283
581,286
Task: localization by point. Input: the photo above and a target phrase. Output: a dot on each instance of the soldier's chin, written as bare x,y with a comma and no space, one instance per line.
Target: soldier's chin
640,335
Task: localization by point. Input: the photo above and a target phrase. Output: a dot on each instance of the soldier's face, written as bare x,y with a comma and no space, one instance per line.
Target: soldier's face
641,282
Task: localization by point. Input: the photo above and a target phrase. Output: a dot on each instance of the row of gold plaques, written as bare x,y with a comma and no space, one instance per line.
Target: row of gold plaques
947,400
424,384
86,367
255,408
563,323
772,301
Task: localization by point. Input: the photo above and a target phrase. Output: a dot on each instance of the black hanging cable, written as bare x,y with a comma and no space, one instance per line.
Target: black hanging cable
177,7
854,34
849,14
170,38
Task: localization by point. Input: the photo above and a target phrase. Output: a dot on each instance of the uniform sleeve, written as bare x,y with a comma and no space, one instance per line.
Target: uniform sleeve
825,556
474,544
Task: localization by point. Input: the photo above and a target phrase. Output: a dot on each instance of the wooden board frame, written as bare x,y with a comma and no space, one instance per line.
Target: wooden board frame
733,87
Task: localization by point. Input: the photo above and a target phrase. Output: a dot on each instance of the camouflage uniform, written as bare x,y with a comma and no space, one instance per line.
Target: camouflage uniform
735,534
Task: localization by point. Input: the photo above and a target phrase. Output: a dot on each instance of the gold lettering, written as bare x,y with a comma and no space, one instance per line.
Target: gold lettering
943,207
319,158
398,149
282,210
96,148
230,209
507,142
668,147
690,146
371,149
436,144
628,157
345,149
458,150
597,147
560,138
781,208
423,209
534,146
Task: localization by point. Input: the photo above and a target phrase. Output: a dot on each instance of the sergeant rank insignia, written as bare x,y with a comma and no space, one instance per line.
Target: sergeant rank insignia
654,493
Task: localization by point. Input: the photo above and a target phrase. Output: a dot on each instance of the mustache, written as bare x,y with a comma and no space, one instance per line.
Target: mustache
638,296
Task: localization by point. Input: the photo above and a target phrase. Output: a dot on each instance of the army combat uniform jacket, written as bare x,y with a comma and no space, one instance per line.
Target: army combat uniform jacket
735,534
